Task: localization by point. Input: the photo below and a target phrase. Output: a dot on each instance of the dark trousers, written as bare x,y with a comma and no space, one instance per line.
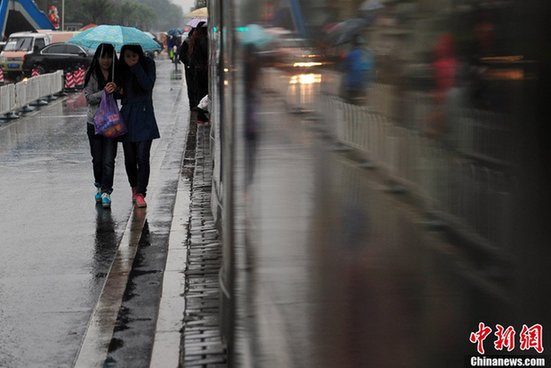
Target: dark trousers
104,151
136,161
201,83
190,87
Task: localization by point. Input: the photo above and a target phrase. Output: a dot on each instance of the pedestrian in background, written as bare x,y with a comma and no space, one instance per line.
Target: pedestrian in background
198,53
137,78
359,66
99,78
184,58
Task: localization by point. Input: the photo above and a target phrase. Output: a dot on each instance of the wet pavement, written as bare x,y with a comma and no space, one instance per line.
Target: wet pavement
342,273
57,246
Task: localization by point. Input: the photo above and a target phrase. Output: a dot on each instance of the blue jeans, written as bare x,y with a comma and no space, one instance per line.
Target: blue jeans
136,161
104,151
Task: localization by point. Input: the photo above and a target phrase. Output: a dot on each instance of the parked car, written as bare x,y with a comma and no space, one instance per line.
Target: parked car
56,56
18,47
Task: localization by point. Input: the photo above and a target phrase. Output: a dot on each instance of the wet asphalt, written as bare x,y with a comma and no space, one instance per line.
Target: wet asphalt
57,246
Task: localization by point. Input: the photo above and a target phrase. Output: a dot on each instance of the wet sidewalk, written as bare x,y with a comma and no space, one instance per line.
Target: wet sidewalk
188,327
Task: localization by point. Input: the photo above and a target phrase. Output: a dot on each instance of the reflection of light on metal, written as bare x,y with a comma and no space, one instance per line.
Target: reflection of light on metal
504,74
502,59
305,79
25,79
306,64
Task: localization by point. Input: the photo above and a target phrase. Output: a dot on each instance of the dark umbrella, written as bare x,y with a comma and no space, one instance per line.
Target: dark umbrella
370,9
348,29
175,32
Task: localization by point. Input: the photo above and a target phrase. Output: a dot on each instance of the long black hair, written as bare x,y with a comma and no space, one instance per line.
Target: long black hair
103,50
124,69
138,50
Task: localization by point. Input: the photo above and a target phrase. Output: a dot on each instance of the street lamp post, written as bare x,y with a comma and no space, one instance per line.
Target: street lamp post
62,15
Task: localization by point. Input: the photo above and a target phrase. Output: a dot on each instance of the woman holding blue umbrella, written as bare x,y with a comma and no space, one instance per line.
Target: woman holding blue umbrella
136,77
99,78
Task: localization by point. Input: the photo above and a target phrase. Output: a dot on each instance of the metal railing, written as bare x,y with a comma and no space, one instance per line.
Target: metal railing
468,186
461,178
15,97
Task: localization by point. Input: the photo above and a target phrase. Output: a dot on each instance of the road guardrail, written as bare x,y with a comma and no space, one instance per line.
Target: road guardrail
16,97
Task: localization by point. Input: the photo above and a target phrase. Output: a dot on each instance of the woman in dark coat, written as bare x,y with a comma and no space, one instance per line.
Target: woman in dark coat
184,58
198,52
137,77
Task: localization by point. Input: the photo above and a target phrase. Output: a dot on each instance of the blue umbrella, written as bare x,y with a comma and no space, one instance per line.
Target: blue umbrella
175,32
255,35
118,36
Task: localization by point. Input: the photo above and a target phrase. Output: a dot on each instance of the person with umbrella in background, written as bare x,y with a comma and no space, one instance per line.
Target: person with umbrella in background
184,58
137,75
98,78
198,53
359,67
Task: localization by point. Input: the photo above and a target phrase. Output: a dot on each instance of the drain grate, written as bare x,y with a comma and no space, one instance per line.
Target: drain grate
202,345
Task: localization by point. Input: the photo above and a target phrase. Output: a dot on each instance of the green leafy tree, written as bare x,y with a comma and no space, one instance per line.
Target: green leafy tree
200,3
158,15
169,15
134,14
97,11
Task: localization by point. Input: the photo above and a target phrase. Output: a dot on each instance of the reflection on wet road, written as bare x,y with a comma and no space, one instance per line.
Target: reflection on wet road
349,275
56,245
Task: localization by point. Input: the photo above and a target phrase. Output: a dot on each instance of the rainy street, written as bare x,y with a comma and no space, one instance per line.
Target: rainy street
57,246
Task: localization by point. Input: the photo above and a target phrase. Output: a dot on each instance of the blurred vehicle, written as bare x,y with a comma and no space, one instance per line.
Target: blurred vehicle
296,53
18,47
56,56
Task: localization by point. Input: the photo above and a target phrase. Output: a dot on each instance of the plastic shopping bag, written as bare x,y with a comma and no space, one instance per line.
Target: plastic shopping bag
204,103
108,120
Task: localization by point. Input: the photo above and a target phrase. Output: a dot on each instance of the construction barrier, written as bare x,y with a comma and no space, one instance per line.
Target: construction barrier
17,97
7,99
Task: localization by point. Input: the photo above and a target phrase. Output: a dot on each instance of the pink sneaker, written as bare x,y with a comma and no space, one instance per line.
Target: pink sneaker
140,201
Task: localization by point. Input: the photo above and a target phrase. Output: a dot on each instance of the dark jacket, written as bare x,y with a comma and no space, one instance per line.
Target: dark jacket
184,57
199,57
137,103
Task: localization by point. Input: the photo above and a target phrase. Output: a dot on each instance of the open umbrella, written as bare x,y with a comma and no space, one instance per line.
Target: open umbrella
256,35
370,9
175,32
346,31
201,12
194,22
88,26
118,36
